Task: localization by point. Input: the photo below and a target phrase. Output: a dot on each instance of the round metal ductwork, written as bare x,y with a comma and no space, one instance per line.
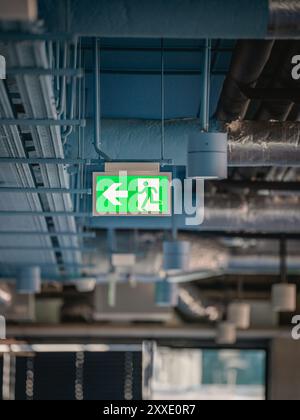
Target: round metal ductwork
226,334
166,294
207,156
239,314
29,281
2,328
176,256
284,297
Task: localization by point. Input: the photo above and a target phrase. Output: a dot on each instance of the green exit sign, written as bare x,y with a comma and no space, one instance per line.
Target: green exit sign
132,194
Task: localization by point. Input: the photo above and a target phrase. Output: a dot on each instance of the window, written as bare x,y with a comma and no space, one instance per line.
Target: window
193,374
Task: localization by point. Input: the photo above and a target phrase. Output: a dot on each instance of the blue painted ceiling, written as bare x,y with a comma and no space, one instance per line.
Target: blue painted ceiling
131,77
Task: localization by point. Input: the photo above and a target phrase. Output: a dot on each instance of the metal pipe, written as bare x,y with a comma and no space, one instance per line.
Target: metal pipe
34,71
44,214
63,88
205,107
48,249
40,122
284,18
68,131
97,118
162,101
44,161
251,144
44,190
50,234
12,36
248,61
283,260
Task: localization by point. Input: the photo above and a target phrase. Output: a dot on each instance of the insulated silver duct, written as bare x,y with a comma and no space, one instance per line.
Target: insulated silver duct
250,143
179,19
284,18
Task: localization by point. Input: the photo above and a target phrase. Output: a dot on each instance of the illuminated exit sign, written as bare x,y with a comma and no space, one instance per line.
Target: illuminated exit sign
132,193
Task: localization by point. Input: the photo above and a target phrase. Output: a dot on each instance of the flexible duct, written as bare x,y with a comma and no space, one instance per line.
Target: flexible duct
284,18
281,59
248,62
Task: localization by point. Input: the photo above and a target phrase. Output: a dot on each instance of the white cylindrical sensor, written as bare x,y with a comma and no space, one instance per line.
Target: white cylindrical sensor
207,156
2,328
166,294
284,297
176,256
85,285
226,334
240,315
29,281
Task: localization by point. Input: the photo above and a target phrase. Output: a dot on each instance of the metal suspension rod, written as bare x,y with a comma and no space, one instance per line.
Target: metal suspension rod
62,99
162,101
97,120
13,213
283,260
41,122
43,190
34,71
50,234
48,249
206,86
44,161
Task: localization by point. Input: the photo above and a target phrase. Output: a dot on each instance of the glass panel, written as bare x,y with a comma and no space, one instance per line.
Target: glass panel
192,374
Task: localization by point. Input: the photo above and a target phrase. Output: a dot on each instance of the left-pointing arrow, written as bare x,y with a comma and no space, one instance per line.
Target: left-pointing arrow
112,194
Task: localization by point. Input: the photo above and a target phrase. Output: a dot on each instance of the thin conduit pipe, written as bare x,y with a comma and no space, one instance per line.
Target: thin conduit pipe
57,67
162,101
206,86
69,130
62,100
97,134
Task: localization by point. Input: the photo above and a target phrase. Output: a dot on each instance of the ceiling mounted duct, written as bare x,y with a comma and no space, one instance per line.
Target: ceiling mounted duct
176,256
166,294
284,297
207,156
2,328
29,281
85,285
19,10
226,334
239,314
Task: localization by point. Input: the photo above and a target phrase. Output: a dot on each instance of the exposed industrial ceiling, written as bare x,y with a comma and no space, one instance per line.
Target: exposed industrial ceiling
48,110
